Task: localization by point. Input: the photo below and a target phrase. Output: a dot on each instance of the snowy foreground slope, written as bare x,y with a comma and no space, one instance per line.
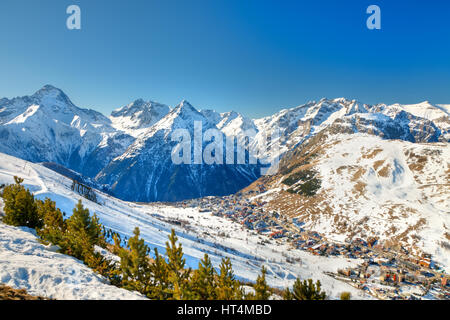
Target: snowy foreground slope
26,264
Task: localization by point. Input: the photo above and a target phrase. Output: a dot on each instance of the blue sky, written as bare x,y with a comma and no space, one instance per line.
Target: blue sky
254,57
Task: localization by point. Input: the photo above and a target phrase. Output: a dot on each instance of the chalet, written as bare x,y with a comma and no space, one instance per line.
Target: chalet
421,279
425,262
296,222
384,277
427,274
372,241
409,277
381,261
277,234
341,251
260,225
300,242
248,224
346,272
331,250
313,251
315,235
359,241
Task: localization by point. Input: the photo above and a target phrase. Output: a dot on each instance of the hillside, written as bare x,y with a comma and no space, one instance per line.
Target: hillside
346,186
198,232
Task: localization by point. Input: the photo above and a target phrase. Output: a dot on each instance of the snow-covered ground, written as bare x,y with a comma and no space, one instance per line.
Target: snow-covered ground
395,194
39,270
371,187
25,263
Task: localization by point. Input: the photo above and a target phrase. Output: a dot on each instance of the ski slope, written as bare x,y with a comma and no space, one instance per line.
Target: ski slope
199,233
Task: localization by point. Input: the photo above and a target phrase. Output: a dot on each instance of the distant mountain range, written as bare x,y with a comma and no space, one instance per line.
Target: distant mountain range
130,151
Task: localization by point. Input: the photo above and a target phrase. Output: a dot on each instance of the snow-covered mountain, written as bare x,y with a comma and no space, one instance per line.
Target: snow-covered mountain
131,149
138,115
396,121
348,186
147,165
47,126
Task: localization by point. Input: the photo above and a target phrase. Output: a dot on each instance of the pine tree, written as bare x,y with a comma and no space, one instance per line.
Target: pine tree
96,231
161,284
98,263
113,272
19,206
135,265
346,295
203,281
178,275
262,291
117,244
307,290
287,294
227,288
83,232
53,222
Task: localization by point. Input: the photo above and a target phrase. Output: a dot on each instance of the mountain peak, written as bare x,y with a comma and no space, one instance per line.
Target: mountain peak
50,92
343,100
185,104
185,107
183,116
138,115
49,89
139,102
232,114
138,105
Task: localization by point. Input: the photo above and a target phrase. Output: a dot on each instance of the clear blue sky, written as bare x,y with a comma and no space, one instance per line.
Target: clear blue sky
254,57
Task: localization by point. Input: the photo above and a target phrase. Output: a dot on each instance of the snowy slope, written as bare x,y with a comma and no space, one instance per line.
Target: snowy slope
426,110
27,264
391,189
444,107
202,232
